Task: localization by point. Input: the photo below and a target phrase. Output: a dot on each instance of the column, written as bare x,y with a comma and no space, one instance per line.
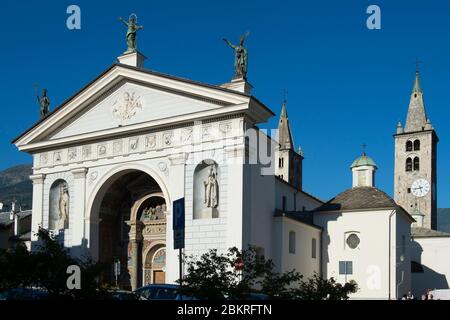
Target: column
37,217
78,207
135,235
176,187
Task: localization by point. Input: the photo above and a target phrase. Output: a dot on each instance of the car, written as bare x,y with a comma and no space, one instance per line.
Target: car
163,292
124,295
22,293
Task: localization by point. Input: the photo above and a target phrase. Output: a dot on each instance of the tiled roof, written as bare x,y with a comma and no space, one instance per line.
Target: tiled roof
420,232
359,198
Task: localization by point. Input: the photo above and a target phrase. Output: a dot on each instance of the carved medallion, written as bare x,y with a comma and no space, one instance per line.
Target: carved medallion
168,138
225,128
134,143
72,154
163,167
93,176
86,152
102,150
150,142
44,159
117,146
186,136
57,156
126,105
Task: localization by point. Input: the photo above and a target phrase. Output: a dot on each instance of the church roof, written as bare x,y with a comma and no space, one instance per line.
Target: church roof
359,198
420,232
364,160
145,71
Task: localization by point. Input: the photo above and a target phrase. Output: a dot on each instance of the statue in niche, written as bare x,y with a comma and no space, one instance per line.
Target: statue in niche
63,205
211,189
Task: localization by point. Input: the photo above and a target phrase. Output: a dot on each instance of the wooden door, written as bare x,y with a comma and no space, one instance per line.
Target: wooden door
159,276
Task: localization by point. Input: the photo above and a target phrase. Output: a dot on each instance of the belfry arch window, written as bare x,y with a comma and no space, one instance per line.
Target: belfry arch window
416,164
416,145
409,145
408,166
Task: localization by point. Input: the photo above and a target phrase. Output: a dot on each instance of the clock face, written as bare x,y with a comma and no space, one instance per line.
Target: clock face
420,188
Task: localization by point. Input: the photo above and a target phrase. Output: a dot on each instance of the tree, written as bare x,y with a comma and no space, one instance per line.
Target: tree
47,268
235,274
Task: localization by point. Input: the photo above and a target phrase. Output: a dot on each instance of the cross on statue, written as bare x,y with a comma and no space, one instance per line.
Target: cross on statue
417,65
285,93
364,149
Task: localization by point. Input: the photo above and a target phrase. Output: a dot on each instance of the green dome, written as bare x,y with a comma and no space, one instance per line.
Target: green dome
364,160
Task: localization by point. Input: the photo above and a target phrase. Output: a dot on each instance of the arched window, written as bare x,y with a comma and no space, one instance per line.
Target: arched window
292,242
416,164
416,145
408,164
409,145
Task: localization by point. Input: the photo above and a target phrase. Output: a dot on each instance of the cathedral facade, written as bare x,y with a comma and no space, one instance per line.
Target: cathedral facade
109,163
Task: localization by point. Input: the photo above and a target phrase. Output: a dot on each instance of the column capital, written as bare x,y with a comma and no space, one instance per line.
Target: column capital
37,178
178,159
136,227
79,173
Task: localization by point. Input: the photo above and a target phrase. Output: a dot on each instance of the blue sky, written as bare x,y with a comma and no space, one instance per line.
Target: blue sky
347,85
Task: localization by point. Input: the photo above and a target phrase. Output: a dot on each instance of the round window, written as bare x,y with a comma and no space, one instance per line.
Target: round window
353,241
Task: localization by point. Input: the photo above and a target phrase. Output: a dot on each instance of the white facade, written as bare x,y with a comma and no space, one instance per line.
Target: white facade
131,125
430,257
377,263
133,141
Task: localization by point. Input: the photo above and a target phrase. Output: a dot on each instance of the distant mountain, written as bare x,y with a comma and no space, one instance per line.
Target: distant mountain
15,184
443,219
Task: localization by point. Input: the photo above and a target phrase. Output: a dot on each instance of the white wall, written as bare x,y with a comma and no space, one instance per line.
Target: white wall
302,260
433,253
373,268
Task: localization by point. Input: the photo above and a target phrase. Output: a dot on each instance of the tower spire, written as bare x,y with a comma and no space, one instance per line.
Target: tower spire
284,130
416,119
417,87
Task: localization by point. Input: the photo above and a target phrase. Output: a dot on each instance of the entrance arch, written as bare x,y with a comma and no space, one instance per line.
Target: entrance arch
127,214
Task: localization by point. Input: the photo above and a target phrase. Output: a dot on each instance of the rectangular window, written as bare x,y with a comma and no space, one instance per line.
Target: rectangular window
292,242
345,267
314,248
283,203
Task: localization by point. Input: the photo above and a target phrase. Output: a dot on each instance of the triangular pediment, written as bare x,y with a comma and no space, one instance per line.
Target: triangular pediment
130,104
129,99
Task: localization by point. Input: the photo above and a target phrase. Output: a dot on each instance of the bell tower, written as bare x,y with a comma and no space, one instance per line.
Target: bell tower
289,166
415,162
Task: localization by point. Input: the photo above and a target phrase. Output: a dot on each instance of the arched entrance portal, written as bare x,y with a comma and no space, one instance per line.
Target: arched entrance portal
130,229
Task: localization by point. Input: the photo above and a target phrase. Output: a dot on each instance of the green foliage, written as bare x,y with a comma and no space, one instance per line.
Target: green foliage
47,268
236,274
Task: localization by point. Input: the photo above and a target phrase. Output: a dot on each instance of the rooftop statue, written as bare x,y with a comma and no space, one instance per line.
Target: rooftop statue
131,32
44,103
240,57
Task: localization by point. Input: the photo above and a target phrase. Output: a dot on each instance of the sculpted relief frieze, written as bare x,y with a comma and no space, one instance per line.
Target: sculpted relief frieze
127,105
149,142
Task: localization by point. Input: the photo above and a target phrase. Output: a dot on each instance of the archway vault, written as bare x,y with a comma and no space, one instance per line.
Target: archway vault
118,230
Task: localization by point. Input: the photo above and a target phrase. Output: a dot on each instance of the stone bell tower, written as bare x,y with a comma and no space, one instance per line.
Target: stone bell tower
415,162
289,166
